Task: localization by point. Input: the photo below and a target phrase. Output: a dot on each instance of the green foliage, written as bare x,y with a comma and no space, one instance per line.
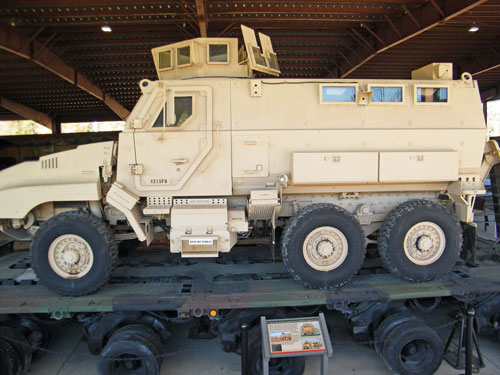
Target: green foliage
23,127
494,117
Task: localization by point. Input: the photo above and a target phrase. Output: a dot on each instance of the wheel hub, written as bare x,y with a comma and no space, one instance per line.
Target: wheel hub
424,243
325,248
70,256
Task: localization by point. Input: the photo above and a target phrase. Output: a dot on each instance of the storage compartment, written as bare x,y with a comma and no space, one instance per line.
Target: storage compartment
418,166
334,167
250,156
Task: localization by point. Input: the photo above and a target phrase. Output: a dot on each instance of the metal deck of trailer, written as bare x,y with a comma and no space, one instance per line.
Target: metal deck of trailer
159,281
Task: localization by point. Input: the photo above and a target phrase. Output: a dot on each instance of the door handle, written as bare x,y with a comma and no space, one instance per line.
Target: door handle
179,161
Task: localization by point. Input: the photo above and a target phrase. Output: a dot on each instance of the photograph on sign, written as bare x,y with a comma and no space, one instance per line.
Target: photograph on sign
278,336
295,336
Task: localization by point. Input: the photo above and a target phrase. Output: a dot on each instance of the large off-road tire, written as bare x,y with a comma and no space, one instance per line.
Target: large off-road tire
129,354
420,240
412,349
277,366
74,253
323,246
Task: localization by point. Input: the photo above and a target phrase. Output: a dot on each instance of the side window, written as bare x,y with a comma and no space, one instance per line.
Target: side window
386,94
183,111
218,53
431,95
337,93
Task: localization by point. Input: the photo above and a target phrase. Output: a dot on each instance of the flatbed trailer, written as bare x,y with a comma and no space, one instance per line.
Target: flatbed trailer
195,287
155,288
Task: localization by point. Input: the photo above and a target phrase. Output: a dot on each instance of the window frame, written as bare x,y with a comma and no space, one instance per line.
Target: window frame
191,49
217,44
403,93
356,93
430,86
171,127
171,59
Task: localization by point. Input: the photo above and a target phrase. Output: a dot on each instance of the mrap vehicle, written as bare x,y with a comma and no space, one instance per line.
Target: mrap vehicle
211,154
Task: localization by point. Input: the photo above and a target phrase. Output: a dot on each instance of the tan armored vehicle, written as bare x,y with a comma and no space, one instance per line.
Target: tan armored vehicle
210,155
307,329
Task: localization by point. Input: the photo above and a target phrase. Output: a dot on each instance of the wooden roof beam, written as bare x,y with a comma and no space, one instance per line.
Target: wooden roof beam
201,10
28,113
427,16
20,45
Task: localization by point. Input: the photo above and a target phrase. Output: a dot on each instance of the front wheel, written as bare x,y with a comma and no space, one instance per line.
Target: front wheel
323,246
74,253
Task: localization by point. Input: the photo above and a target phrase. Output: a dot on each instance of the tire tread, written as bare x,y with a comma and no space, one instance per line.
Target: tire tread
104,231
292,225
394,216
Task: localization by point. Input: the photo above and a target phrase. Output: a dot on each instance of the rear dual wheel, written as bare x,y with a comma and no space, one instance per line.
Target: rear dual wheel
323,246
420,240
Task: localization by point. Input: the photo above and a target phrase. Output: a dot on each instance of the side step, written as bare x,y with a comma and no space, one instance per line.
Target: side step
126,202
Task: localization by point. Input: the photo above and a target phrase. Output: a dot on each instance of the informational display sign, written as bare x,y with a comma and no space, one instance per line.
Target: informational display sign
295,336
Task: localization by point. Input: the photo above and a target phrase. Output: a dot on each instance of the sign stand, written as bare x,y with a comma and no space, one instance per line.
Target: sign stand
296,337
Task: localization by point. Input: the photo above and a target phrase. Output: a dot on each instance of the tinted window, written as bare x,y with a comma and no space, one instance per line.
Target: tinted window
217,53
165,58
259,59
338,93
432,95
184,55
382,94
273,61
183,110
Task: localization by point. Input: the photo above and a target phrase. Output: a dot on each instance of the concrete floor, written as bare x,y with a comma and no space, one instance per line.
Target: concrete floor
68,354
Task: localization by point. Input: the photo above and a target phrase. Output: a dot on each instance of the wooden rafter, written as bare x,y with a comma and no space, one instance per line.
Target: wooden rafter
27,112
427,16
20,45
201,11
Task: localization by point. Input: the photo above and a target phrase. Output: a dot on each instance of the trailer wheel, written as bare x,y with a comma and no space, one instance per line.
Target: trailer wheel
413,349
21,346
143,331
9,361
128,355
420,240
488,317
74,253
277,366
387,325
323,246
